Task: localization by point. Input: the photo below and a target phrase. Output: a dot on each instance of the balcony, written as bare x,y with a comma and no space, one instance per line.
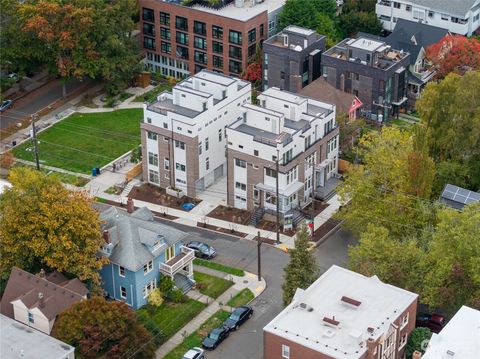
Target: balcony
180,261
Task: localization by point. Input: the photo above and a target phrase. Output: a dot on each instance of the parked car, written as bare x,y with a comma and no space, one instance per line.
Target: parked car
202,250
215,337
6,105
238,317
434,322
13,76
194,353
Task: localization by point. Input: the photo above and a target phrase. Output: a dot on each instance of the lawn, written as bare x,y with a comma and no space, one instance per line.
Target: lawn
195,339
241,298
83,141
151,95
220,267
210,285
403,125
171,317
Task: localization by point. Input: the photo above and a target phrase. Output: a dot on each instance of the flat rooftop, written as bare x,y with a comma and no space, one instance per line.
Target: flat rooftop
21,341
299,30
314,107
166,104
366,44
461,337
339,312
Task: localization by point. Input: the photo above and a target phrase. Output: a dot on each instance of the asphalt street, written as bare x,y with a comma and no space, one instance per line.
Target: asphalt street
247,342
35,101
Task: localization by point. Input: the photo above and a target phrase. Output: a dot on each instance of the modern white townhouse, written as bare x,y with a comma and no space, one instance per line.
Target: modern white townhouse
298,132
457,16
183,132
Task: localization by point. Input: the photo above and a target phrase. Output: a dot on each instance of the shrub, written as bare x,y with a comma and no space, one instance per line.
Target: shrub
155,298
165,286
176,296
110,102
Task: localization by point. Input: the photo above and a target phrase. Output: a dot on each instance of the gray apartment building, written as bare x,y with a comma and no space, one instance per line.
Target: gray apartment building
292,58
371,70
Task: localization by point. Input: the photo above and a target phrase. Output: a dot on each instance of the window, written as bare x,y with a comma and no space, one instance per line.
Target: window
151,135
148,15
200,43
262,30
199,148
199,28
235,37
181,23
287,156
30,317
217,32
270,172
328,127
121,271
152,159
418,15
235,66
165,33
282,75
207,163
180,144
408,8
147,268
182,52
180,167
149,43
403,341
430,14
200,57
241,186
252,36
182,38
217,62
252,50
149,287
255,152
292,175
166,47
164,18
123,292
235,52
270,198
397,5
240,163
148,29
308,141
285,351
153,176
217,47
331,145
445,17
404,321
220,135
166,163
206,144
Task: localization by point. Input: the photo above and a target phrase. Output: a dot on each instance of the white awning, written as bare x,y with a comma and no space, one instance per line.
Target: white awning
286,192
323,164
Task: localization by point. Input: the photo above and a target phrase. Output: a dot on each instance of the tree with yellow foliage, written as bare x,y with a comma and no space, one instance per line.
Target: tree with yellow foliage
44,225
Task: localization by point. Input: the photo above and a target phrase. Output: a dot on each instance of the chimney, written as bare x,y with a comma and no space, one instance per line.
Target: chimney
41,300
130,205
42,273
371,344
416,355
106,237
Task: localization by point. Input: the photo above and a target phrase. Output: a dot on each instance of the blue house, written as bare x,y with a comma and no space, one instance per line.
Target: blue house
140,250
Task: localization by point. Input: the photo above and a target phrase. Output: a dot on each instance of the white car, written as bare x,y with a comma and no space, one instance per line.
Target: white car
194,353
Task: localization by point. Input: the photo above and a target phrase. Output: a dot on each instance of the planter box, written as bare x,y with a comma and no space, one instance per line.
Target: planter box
174,192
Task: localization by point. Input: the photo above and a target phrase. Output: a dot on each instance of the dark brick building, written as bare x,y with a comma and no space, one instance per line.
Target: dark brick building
370,70
292,58
184,37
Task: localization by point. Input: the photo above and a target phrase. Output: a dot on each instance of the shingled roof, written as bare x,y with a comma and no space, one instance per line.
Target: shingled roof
59,293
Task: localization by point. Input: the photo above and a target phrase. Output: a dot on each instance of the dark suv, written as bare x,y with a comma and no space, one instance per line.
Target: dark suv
202,250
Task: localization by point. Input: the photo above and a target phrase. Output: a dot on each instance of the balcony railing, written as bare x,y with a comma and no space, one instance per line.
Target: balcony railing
178,262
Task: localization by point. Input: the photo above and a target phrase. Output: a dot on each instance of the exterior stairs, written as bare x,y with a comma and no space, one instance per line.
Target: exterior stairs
134,182
182,282
298,217
256,216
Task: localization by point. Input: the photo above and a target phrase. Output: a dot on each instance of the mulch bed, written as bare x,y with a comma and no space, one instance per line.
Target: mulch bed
324,229
265,240
221,230
156,195
158,214
319,208
231,214
272,227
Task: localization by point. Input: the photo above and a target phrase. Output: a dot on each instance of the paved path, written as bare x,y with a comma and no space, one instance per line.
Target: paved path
55,169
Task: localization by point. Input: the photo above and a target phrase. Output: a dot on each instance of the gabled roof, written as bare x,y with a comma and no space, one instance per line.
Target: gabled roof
26,287
133,236
411,36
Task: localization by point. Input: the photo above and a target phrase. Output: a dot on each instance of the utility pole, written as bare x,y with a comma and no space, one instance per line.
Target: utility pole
259,256
34,139
278,198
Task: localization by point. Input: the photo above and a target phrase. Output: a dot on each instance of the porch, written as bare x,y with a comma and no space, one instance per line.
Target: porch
289,198
326,179
180,264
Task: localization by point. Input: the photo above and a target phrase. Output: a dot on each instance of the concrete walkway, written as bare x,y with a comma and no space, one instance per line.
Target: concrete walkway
327,213
247,281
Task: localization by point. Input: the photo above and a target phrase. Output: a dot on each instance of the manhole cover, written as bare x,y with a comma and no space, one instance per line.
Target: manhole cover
245,281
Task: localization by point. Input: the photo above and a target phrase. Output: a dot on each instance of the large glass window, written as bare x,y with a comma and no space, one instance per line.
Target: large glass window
235,52
217,32
199,28
165,33
181,23
148,29
200,57
200,43
182,38
252,49
148,15
149,43
217,47
218,62
164,18
166,47
152,159
252,36
235,66
235,37
182,52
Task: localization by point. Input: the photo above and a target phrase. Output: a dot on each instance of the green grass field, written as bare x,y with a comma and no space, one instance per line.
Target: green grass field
83,141
219,267
210,285
241,298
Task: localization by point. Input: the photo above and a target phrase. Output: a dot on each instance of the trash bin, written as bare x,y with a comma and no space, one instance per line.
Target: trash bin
98,171
94,172
14,143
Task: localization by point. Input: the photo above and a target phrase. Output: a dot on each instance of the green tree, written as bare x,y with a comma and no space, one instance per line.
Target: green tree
302,270
326,7
45,225
101,329
452,262
450,172
353,22
417,341
359,5
326,26
298,12
388,190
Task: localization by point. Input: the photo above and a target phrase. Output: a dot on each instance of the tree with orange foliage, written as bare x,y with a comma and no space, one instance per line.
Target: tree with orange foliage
457,54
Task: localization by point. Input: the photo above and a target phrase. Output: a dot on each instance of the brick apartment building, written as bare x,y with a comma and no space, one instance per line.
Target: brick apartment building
343,315
183,37
298,131
371,70
292,58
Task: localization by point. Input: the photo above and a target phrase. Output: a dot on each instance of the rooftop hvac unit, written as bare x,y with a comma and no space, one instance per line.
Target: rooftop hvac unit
285,40
239,3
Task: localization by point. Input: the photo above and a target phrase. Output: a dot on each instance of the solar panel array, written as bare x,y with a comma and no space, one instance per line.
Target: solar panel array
460,195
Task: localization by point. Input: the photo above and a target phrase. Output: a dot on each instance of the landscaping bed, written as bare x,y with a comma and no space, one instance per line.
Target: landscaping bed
243,297
219,267
272,227
195,339
315,208
86,140
151,95
231,214
221,230
153,194
210,285
323,230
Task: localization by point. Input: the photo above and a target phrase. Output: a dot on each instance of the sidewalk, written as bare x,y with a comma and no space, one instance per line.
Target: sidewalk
213,307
